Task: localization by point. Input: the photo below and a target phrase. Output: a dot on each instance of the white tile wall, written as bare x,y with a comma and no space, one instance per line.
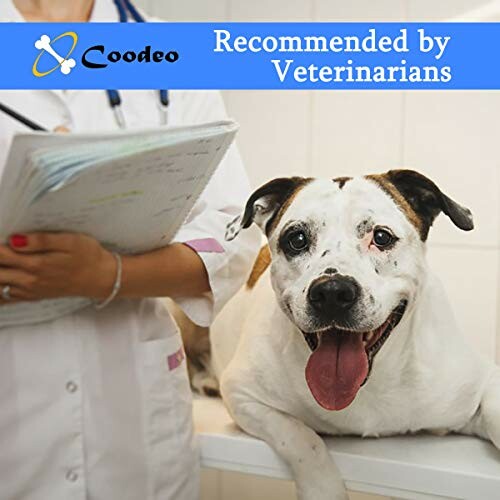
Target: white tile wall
275,134
432,10
470,275
356,132
360,10
452,136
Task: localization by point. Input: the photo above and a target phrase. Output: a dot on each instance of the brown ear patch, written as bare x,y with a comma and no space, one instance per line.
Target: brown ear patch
260,265
274,221
384,183
421,200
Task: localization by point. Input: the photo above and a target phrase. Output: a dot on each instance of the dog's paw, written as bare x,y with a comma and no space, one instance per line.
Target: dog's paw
206,385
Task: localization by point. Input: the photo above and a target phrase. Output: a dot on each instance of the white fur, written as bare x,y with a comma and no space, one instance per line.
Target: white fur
425,377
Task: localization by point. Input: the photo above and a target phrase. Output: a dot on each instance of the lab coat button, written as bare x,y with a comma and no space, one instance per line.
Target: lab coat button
71,387
71,476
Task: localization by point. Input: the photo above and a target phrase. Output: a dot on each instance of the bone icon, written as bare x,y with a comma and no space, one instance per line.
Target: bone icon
66,65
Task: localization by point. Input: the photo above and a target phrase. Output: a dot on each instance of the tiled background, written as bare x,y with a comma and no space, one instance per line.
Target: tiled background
453,137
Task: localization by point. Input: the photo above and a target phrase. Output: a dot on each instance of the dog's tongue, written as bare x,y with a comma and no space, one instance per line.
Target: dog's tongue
336,369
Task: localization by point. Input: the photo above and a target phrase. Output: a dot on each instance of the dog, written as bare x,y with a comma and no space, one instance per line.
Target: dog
343,329
196,343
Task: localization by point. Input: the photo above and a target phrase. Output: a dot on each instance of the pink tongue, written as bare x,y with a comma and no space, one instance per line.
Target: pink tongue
336,369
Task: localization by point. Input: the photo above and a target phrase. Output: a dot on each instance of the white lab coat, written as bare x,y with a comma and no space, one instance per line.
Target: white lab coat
91,406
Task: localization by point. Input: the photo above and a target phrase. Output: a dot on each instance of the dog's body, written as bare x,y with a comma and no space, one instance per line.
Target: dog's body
408,390
348,331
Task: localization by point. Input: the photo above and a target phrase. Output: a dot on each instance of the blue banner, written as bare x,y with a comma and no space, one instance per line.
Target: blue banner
250,56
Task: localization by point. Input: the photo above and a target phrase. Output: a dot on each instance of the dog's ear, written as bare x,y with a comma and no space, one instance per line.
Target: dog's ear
264,205
427,200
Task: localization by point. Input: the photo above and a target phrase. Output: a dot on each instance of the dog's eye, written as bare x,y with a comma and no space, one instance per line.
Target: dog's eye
298,241
382,238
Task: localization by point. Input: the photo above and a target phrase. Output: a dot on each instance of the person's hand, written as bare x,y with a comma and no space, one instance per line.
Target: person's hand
48,265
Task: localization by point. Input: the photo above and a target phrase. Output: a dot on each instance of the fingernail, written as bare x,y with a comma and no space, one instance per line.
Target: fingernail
18,240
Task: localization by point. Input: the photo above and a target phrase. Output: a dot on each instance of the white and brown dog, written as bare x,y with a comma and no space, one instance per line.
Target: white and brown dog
348,332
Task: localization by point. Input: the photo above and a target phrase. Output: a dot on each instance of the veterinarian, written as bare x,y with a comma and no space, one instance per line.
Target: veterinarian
97,404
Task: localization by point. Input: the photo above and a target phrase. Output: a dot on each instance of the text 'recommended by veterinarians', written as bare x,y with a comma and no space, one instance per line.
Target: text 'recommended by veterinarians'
348,45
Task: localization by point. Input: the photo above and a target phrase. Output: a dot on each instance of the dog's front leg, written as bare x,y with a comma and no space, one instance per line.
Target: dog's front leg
316,475
490,410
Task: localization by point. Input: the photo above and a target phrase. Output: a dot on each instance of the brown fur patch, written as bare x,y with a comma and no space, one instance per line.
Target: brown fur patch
341,181
400,201
279,213
260,265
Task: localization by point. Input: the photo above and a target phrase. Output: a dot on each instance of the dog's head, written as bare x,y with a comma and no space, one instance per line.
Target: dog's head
347,257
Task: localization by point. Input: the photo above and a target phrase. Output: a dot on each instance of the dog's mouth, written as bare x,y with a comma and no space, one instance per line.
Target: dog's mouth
341,360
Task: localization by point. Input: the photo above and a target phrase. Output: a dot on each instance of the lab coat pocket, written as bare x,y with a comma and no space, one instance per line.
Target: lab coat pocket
168,422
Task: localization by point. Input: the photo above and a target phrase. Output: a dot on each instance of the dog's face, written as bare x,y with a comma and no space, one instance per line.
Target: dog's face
343,258
347,258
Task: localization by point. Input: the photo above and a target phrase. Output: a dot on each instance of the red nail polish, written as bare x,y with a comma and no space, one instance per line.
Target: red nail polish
18,240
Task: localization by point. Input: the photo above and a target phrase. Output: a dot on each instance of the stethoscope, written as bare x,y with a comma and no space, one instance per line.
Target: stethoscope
115,101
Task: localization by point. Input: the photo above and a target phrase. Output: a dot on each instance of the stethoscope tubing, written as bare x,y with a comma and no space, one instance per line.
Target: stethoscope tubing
122,6
114,98
21,118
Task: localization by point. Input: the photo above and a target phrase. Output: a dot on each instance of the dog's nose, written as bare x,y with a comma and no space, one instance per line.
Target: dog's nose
330,294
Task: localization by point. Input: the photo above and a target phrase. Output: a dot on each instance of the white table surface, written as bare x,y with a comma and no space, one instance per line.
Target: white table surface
412,467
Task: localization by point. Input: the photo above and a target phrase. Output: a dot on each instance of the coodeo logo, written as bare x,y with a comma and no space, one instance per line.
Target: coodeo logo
65,64
96,56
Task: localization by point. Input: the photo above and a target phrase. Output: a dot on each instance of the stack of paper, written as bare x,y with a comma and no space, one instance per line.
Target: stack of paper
130,190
